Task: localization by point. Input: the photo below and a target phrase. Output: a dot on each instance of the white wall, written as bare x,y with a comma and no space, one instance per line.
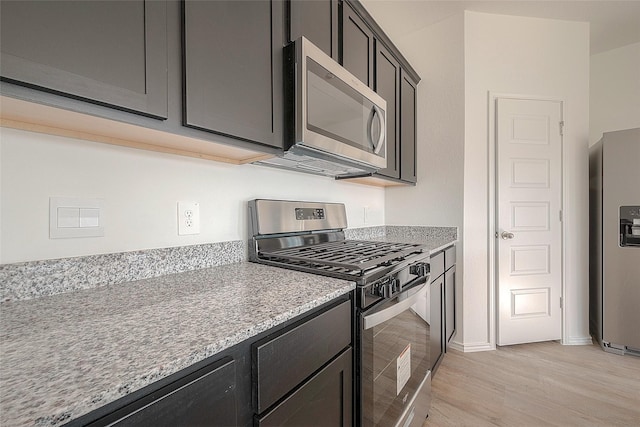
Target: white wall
614,91
538,57
141,189
437,54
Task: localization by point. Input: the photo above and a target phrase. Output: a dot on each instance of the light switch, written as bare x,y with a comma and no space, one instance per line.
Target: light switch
68,217
89,217
71,217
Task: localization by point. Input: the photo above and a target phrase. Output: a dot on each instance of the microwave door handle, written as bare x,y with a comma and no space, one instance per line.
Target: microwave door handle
376,144
389,313
383,131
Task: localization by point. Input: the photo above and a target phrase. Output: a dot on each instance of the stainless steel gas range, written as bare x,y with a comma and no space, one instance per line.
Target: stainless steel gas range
393,380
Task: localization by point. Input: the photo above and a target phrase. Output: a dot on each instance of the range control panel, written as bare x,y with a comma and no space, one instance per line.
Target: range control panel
304,214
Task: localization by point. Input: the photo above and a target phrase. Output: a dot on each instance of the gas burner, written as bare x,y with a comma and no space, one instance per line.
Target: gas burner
355,256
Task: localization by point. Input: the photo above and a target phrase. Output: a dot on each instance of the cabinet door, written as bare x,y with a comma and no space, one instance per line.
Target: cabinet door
325,400
357,46
450,304
388,86
436,341
205,398
107,52
317,20
407,129
283,362
233,68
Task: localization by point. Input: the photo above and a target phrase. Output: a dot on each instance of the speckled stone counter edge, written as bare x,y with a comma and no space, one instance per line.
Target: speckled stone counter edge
403,232
365,233
27,280
21,281
421,233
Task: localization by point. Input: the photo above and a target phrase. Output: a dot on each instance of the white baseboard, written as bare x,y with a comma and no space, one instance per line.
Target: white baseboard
472,347
578,341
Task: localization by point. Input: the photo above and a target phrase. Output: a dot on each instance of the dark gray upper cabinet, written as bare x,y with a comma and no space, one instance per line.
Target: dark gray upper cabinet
369,55
407,128
112,53
357,45
233,68
388,86
317,20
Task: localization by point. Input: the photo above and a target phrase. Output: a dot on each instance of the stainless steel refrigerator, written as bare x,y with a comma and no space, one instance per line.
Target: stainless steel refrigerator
614,267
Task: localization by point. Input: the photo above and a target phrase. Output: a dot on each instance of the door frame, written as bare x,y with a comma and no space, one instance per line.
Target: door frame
492,247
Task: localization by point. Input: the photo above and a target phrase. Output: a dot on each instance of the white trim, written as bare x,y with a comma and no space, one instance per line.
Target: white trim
563,204
473,347
578,341
456,345
491,215
491,194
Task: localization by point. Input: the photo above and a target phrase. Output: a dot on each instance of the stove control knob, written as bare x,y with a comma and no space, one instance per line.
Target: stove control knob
419,269
395,286
384,289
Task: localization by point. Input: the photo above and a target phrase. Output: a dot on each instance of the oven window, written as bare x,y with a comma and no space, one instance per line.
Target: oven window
395,360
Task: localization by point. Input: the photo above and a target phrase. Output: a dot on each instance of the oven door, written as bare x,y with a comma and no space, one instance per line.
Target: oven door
395,377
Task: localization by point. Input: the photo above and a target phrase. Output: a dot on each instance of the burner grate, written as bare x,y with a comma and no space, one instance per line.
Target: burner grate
346,256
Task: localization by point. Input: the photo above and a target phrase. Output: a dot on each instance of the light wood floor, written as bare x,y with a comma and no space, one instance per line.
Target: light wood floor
541,384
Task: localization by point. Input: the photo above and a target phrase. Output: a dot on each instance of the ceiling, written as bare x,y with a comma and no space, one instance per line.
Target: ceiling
613,23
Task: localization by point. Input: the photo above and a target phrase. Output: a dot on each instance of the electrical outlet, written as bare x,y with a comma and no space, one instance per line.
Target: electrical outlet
188,218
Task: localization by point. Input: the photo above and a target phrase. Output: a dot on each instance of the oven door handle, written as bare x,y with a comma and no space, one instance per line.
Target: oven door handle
379,317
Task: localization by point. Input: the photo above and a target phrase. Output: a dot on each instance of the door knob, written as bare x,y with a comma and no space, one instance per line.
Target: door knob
506,235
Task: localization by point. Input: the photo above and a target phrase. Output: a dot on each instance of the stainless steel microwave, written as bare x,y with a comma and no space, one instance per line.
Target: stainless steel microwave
334,124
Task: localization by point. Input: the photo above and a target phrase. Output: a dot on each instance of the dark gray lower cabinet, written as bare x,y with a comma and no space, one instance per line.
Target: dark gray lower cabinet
436,343
112,53
233,68
206,397
450,294
300,373
304,376
443,303
450,304
324,400
283,362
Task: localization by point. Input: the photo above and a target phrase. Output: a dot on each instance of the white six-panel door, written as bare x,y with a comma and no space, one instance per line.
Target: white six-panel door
528,220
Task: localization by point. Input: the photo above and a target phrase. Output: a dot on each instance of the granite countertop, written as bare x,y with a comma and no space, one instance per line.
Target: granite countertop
433,241
65,355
